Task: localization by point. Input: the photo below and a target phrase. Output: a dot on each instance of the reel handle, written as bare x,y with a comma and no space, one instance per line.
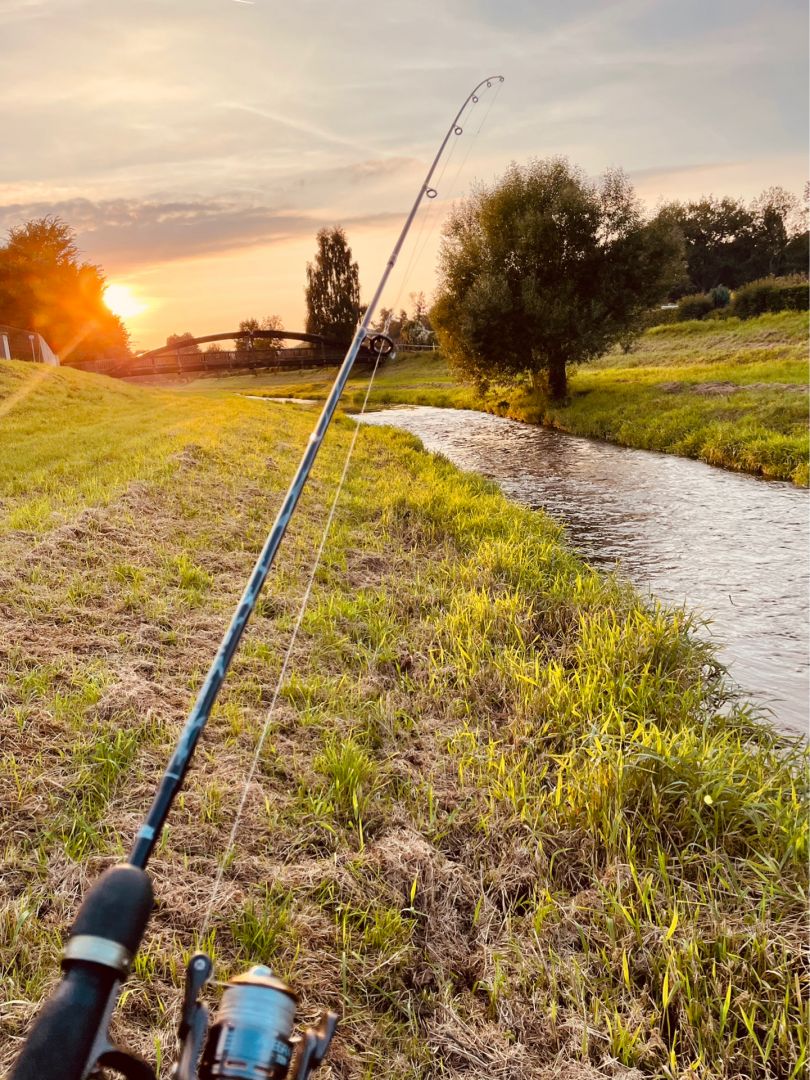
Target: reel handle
69,1034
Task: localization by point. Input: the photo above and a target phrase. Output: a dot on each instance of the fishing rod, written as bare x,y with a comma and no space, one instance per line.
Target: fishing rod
251,1035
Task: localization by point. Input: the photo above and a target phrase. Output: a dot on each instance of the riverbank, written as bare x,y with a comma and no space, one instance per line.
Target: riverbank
731,393
500,819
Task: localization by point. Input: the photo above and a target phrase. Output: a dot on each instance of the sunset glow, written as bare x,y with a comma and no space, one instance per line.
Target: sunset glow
200,180
122,301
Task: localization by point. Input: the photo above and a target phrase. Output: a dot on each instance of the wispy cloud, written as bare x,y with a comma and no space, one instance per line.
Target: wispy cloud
166,130
126,233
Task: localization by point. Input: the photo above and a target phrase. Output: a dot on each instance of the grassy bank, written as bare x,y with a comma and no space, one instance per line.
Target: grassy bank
500,821
412,379
729,393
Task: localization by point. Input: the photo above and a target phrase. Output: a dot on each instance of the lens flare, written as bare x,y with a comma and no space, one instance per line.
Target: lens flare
122,301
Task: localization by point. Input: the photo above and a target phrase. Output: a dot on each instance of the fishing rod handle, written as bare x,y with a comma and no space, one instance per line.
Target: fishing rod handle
70,1031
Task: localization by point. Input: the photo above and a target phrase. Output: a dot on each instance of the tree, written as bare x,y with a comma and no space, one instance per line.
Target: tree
730,243
45,287
183,343
778,218
720,241
266,346
416,328
333,288
547,269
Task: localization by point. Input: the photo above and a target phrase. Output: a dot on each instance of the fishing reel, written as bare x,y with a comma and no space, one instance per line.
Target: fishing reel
376,348
251,1037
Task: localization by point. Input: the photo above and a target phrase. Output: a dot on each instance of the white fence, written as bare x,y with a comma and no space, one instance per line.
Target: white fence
17,344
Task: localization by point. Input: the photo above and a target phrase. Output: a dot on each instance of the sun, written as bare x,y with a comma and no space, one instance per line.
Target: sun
122,301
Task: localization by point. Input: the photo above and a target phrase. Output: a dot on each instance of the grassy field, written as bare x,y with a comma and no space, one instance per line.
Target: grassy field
411,379
730,393
506,819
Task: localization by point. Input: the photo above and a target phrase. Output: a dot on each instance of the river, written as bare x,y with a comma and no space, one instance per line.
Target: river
731,547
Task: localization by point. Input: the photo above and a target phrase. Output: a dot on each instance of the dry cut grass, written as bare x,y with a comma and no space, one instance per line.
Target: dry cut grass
506,819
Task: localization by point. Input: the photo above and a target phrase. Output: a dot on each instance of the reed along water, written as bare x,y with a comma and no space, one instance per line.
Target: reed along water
730,547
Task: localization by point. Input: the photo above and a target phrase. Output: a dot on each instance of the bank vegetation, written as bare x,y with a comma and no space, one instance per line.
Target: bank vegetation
509,819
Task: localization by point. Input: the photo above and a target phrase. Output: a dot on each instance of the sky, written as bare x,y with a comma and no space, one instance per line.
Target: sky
196,146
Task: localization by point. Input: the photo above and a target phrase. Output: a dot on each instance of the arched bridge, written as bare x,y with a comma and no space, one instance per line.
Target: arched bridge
253,350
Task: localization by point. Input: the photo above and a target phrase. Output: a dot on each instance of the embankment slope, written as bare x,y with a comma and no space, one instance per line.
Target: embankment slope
504,818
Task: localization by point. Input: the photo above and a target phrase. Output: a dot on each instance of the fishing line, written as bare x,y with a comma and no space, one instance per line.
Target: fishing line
318,556
333,508
288,654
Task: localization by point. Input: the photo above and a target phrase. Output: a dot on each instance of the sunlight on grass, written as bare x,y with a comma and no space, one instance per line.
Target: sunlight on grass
503,801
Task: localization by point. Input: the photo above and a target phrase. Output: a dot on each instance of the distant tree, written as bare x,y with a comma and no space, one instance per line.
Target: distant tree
420,308
183,343
246,342
416,329
45,287
719,237
384,319
778,218
731,243
547,269
797,253
333,288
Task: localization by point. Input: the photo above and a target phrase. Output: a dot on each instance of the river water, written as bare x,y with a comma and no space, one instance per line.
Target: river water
731,547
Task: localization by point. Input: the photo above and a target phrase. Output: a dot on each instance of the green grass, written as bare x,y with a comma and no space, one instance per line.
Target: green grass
412,379
731,393
724,392
508,819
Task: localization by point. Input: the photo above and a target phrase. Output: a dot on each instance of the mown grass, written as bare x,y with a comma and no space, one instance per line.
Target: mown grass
507,820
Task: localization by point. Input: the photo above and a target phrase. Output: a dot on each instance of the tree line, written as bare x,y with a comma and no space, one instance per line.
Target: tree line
730,243
548,268
543,269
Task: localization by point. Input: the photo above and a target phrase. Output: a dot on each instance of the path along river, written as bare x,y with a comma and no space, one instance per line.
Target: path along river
729,546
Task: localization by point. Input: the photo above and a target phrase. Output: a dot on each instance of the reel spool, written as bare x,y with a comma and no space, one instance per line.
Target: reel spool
251,1037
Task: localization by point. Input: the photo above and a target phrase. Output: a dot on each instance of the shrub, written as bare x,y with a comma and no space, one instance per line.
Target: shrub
771,294
720,296
696,306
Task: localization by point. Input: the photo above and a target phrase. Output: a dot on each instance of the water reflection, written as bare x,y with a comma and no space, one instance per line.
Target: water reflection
731,547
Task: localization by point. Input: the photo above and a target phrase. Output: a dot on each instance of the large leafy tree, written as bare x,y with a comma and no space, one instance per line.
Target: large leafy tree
547,269
44,286
333,288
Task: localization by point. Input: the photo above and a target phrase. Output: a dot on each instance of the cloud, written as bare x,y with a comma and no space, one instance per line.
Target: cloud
127,233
